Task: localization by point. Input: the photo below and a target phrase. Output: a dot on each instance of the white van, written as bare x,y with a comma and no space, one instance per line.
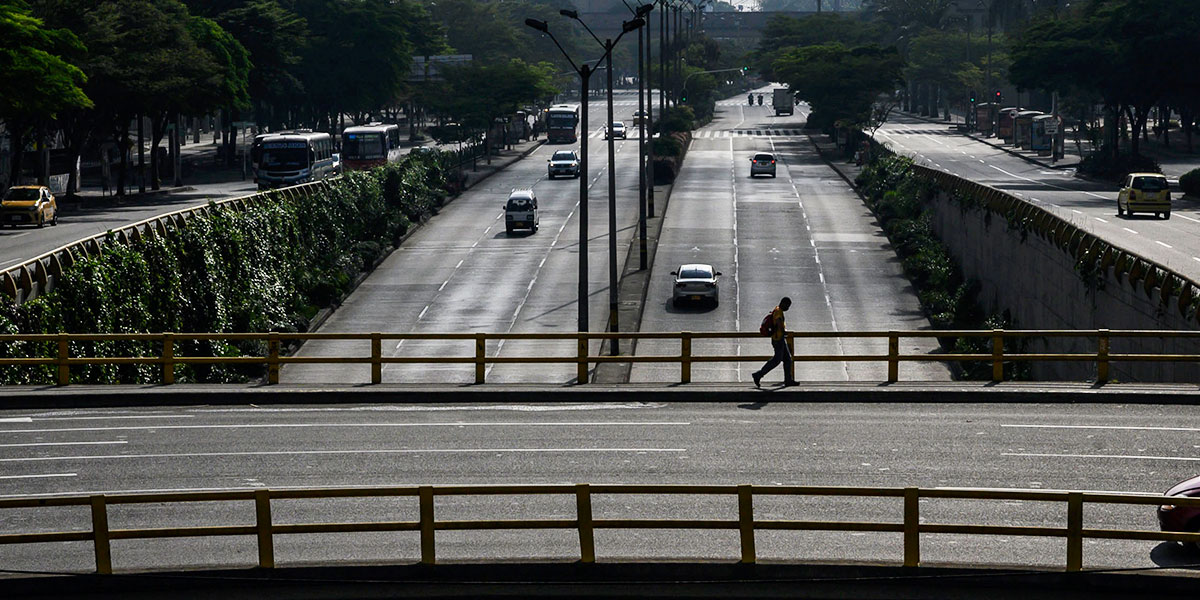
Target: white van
521,211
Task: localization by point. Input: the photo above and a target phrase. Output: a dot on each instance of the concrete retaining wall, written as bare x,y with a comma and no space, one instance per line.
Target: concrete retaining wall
1032,272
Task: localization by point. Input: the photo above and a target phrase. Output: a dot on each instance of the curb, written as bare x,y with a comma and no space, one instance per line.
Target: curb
995,145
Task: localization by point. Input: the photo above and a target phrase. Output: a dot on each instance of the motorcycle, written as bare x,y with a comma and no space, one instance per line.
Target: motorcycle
760,99
750,99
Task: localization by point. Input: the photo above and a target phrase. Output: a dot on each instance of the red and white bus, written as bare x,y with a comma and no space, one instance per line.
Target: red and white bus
370,146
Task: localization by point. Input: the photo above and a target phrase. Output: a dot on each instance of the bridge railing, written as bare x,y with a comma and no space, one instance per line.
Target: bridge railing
580,352
265,529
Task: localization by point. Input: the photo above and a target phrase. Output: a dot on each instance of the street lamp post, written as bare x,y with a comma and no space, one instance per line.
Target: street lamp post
643,260
613,303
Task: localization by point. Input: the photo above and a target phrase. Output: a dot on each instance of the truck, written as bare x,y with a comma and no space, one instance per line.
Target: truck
783,102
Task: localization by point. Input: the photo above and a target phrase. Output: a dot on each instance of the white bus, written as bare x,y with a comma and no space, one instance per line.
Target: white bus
562,124
292,157
369,146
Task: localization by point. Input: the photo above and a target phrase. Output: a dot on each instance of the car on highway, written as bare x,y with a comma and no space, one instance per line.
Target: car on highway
28,205
1145,192
763,163
564,163
695,282
521,211
616,130
1182,518
638,116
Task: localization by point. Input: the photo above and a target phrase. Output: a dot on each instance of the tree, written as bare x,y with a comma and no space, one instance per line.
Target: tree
478,94
783,32
842,85
35,80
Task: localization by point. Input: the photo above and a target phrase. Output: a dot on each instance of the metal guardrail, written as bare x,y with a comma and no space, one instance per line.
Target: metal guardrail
36,276
1102,356
585,523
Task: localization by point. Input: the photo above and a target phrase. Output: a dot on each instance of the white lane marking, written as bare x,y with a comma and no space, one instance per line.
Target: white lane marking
1101,220
1165,245
1189,218
39,476
1130,230
1104,456
16,420
344,452
422,314
499,407
987,489
37,444
1078,212
102,418
1105,427
1196,258
1057,187
11,262
331,425
737,286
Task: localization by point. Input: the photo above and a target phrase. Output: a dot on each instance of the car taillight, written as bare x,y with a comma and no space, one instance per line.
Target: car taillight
772,162
1167,507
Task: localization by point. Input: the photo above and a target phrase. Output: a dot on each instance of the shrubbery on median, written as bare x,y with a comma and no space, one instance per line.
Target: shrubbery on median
675,131
269,268
1189,183
898,197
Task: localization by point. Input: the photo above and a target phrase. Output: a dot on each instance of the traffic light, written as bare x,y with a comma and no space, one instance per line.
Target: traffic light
972,96
745,70
997,96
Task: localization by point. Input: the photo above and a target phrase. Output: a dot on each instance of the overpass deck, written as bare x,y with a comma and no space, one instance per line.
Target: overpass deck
964,392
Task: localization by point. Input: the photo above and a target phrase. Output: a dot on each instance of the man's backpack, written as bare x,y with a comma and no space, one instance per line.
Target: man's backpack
768,324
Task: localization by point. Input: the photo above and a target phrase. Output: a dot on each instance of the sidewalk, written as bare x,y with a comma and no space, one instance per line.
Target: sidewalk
1174,160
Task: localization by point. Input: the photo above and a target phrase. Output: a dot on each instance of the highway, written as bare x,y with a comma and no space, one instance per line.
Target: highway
1090,205
803,234
461,272
23,243
1120,448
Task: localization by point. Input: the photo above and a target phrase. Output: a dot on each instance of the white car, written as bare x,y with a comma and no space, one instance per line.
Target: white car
563,162
521,211
616,130
695,283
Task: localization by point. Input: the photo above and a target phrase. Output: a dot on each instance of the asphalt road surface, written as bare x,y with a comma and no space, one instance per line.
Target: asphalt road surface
461,272
23,243
1137,449
802,234
1090,205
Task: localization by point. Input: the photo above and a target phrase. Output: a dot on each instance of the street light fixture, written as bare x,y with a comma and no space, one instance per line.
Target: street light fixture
585,72
643,260
613,303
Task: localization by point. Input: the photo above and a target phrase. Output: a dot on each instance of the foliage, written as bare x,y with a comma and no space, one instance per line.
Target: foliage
269,268
35,79
677,118
783,32
476,94
840,84
1189,183
1105,165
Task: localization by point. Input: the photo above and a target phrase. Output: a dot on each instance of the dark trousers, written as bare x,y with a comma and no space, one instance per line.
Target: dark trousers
783,354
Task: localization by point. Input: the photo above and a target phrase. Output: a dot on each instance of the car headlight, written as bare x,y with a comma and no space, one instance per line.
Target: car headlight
1166,508
574,164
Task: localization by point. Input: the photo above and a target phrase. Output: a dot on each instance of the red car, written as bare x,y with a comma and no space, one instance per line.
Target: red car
1181,518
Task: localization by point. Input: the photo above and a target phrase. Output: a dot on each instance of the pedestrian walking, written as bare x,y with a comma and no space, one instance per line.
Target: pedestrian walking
774,325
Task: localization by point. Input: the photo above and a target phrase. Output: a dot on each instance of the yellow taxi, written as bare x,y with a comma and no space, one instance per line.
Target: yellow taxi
1146,193
28,205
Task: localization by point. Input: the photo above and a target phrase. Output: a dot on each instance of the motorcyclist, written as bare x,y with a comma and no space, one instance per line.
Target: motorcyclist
750,99
760,99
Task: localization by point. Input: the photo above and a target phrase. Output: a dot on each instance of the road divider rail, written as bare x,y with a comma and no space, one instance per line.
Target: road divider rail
37,275
59,350
585,522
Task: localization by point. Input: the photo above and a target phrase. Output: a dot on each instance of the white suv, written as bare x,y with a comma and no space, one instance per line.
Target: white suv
521,211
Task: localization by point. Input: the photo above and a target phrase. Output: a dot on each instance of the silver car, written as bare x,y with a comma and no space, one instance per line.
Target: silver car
616,130
695,282
563,162
763,163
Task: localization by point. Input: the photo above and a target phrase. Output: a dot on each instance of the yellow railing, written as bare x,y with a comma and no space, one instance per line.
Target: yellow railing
1100,340
585,523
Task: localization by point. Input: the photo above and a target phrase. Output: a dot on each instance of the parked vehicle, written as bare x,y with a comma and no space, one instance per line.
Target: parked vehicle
369,146
763,163
293,157
563,162
1145,192
695,282
28,205
783,101
521,211
1181,518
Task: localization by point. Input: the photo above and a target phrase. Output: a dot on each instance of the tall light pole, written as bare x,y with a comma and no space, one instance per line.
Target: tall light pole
608,44
643,260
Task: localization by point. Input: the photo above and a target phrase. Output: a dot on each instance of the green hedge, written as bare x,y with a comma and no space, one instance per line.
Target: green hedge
1189,183
269,268
898,198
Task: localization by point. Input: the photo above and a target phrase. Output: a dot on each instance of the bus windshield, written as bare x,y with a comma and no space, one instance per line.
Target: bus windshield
561,121
363,145
284,158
